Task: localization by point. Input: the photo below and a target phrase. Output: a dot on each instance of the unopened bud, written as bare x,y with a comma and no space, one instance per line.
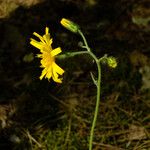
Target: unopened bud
73,27
111,61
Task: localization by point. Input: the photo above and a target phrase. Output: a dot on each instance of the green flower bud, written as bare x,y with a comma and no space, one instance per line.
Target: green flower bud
111,61
73,27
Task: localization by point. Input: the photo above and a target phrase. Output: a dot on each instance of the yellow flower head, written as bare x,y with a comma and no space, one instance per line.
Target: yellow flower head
50,68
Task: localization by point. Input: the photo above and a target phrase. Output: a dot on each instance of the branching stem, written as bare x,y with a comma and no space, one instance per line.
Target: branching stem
98,85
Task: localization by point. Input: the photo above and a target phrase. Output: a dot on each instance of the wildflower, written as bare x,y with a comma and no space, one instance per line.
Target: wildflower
47,55
111,61
73,27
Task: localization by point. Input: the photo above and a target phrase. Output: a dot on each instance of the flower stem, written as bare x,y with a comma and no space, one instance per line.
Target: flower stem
71,54
96,107
98,85
84,40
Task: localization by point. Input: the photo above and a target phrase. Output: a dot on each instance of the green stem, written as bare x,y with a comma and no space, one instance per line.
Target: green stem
84,40
98,85
97,105
71,54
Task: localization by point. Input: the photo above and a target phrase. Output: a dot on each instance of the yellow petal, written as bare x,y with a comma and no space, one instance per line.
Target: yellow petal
57,69
39,55
39,36
47,39
49,73
46,30
56,79
54,76
55,51
36,44
43,74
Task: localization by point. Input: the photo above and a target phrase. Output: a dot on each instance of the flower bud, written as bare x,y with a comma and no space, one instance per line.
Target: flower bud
73,27
111,61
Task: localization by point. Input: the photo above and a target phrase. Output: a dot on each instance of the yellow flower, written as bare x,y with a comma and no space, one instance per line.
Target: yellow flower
50,68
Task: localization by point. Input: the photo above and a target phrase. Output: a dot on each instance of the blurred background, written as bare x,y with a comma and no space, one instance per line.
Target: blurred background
42,115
